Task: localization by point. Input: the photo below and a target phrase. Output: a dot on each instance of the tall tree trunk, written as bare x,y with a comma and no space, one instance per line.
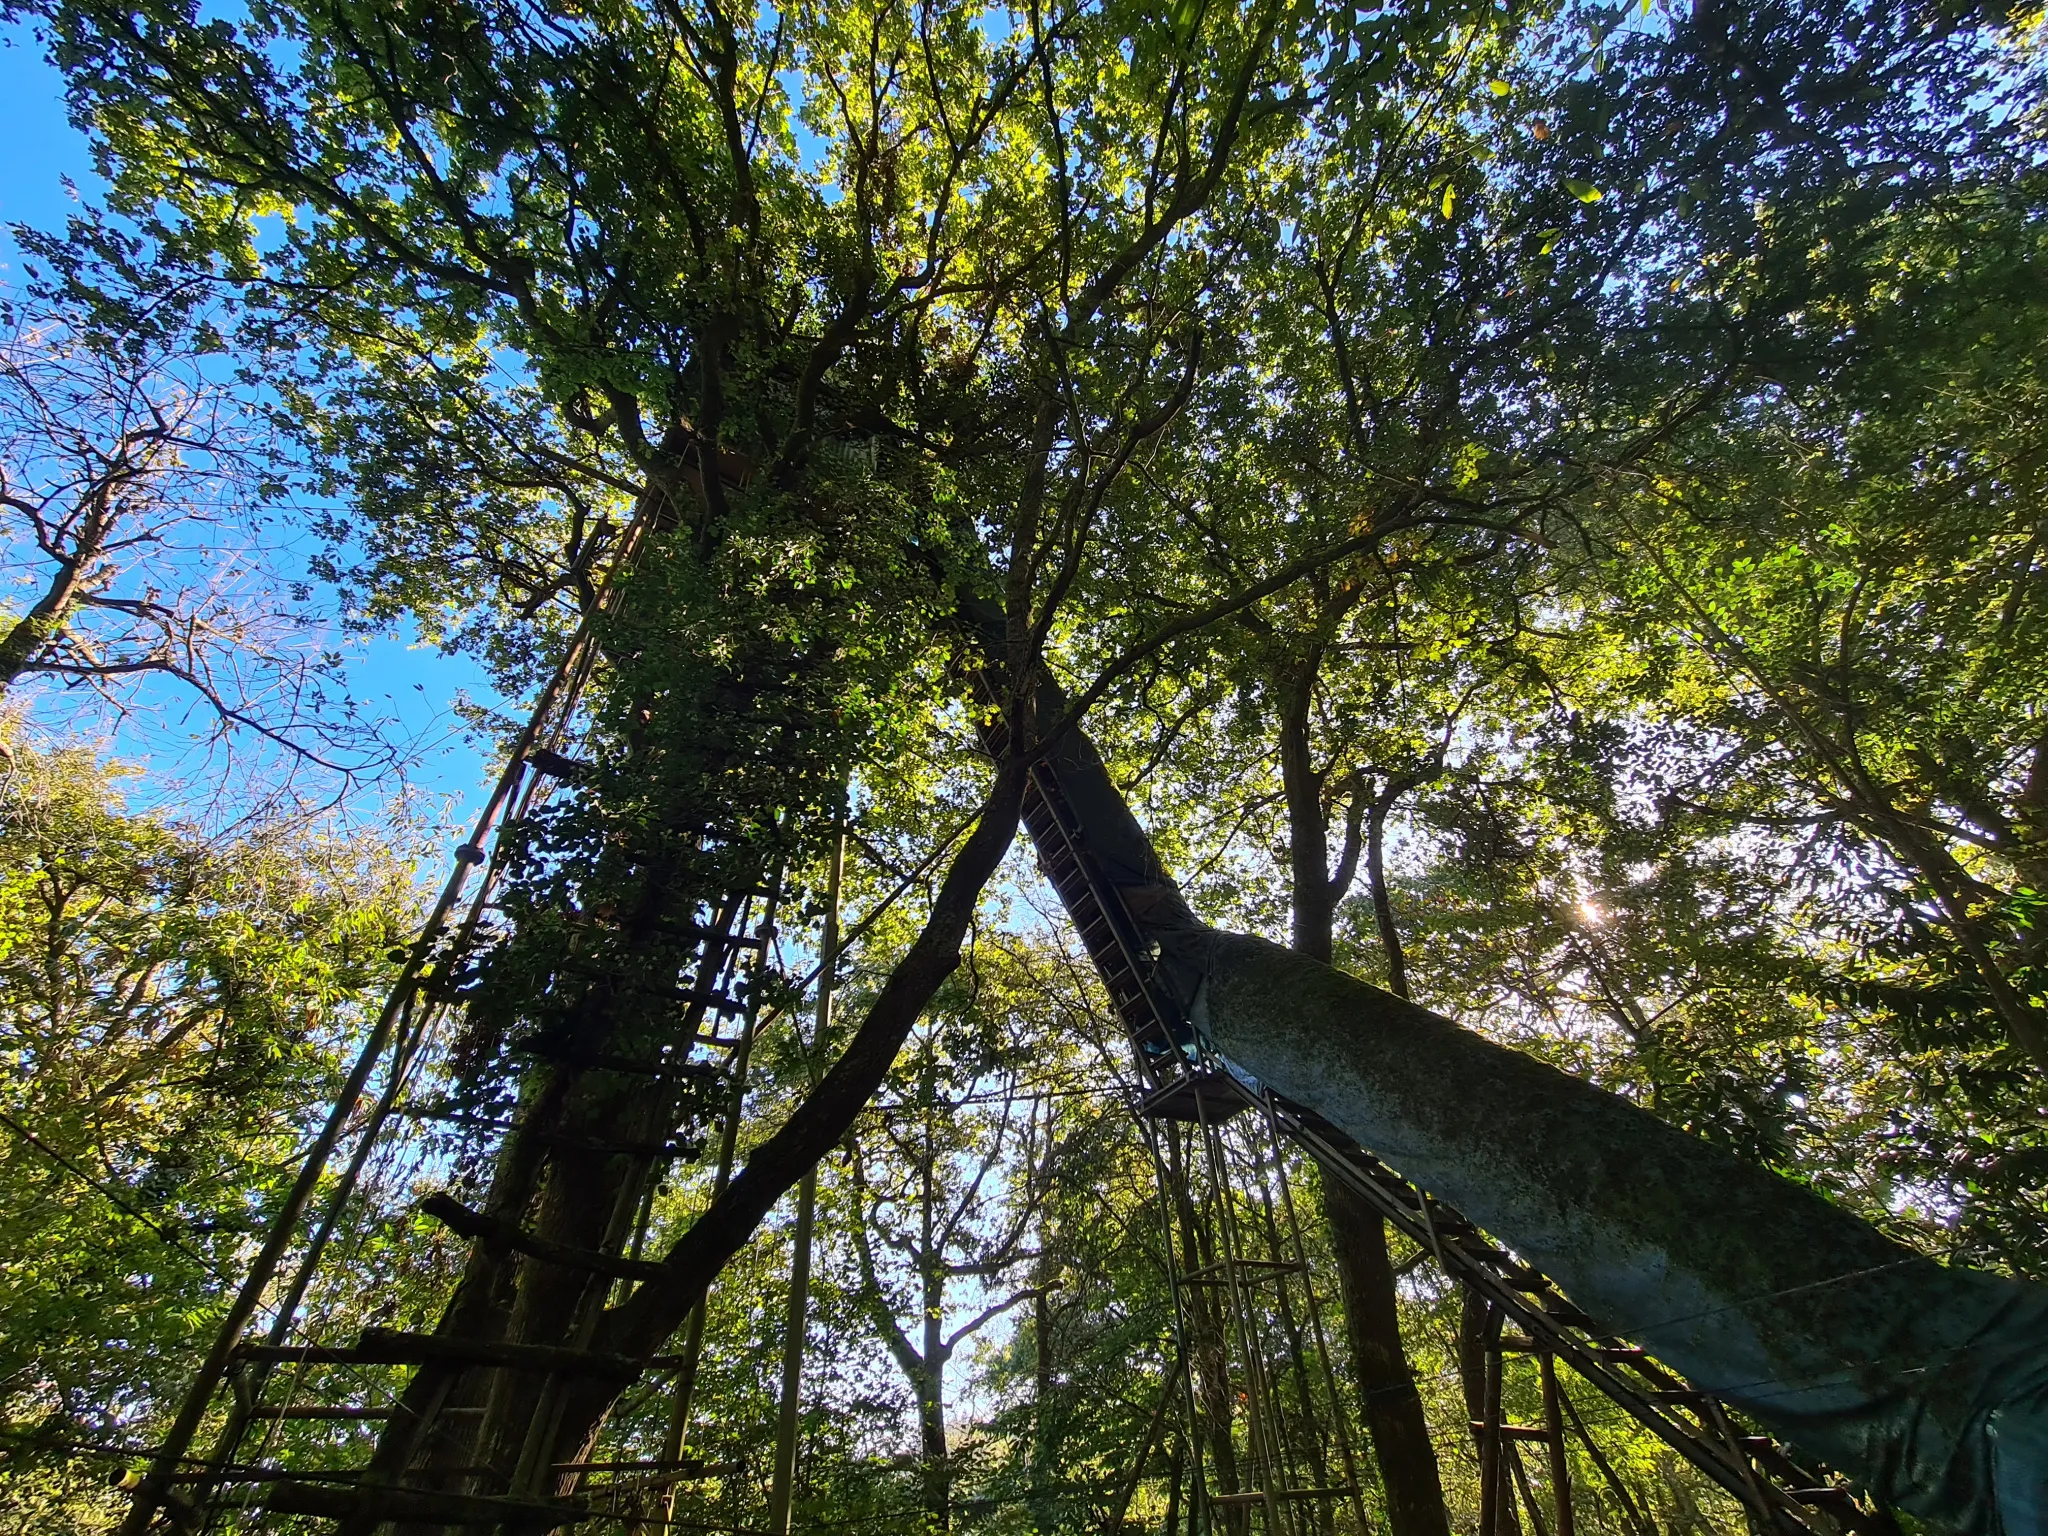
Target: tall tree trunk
930,1381
936,1470
1926,1384
1393,1407
1358,1237
1044,1430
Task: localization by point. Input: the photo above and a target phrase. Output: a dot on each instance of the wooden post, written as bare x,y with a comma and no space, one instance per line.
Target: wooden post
1560,1469
782,1483
1490,1468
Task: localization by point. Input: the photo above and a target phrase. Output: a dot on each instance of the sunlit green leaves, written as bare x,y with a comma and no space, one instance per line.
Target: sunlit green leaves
172,1014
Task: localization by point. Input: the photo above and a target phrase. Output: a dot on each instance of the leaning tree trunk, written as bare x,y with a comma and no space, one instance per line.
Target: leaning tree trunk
1926,1384
31,634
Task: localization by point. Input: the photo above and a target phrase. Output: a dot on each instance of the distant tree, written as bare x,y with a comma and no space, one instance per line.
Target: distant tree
136,483
944,1193
172,1011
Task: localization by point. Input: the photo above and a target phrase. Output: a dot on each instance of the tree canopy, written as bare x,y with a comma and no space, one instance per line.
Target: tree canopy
1538,505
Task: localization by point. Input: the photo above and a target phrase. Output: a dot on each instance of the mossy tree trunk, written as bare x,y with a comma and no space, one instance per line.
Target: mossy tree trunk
1926,1384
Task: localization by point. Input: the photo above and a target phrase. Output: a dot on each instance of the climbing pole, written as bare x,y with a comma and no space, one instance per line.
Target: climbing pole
1262,1463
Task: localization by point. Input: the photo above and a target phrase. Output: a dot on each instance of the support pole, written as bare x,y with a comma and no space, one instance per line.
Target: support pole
782,1485
1490,1468
728,1147
1560,1465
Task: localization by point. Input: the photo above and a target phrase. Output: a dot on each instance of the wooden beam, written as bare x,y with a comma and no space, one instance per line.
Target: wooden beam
388,1346
459,1218
418,1504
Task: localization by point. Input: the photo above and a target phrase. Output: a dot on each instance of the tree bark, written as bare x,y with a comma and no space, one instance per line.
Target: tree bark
1928,1385
1386,1384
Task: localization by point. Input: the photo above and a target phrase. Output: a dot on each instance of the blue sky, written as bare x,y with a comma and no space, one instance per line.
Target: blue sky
408,687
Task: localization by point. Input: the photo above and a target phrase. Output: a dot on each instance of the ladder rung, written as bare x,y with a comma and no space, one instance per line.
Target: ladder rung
688,1464
1257,1496
618,1148
1510,1431
1193,1098
387,1346
607,1061
1273,1266
546,760
713,1001
400,1348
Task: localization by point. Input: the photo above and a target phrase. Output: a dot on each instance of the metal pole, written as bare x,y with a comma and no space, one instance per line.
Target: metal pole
782,1482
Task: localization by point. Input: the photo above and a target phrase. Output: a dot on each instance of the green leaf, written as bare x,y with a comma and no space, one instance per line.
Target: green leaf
1450,199
1184,16
1499,87
1584,191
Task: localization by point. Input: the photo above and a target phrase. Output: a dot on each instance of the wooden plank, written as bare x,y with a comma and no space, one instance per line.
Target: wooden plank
1512,1431
388,1346
1190,1098
610,1061
689,1465
459,1218
418,1504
